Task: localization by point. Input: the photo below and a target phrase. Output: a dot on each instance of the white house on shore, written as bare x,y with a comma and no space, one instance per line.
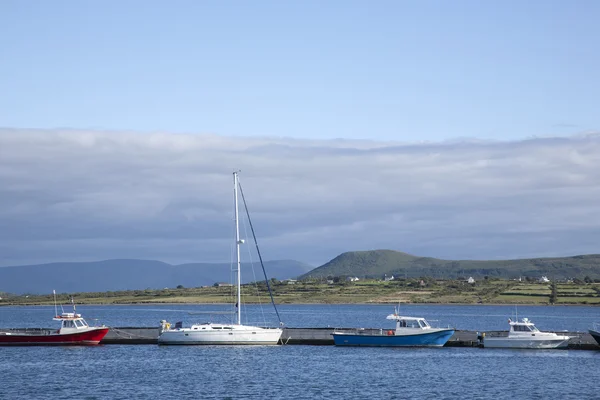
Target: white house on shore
471,280
352,279
543,279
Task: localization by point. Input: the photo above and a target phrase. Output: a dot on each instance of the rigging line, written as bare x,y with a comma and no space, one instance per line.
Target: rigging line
258,251
259,299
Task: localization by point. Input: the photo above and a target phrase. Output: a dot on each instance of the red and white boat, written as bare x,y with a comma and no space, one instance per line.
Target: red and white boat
74,330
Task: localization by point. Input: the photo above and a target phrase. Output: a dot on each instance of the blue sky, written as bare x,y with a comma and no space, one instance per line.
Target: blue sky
120,124
387,70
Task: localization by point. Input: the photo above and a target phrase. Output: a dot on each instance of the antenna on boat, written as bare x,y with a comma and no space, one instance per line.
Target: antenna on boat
73,302
55,307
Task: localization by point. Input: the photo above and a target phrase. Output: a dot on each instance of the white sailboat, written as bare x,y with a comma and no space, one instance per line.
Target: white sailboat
218,334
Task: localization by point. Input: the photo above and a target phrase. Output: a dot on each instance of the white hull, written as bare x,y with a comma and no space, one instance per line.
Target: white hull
526,343
237,335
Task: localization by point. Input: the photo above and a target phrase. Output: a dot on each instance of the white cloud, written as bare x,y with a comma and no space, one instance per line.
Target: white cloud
71,194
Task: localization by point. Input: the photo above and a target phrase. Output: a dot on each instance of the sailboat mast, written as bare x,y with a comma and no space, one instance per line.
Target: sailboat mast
237,248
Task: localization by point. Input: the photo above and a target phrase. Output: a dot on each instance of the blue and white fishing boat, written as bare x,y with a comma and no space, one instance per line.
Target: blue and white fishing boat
410,331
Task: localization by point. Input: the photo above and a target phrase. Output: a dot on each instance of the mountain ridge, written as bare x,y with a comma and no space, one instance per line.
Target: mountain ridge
377,263
124,274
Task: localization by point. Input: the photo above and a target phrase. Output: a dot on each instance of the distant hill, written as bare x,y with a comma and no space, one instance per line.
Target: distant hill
100,276
376,263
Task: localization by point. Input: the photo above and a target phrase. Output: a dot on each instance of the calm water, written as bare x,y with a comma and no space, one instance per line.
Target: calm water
301,372
468,317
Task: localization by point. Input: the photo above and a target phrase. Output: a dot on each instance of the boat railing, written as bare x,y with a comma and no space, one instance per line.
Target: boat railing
363,331
34,331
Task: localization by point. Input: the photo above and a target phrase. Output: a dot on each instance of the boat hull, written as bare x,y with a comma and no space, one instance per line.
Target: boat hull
595,335
88,338
257,336
525,343
436,338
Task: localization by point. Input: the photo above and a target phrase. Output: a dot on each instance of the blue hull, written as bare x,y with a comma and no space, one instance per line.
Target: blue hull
429,339
595,335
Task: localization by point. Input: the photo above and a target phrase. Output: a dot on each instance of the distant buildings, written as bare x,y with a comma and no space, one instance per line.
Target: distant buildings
388,278
471,280
543,279
352,279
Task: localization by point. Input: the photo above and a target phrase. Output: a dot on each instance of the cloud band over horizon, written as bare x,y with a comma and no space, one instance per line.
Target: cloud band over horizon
71,195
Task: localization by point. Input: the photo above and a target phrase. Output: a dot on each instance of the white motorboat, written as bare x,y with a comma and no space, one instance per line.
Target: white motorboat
524,335
213,333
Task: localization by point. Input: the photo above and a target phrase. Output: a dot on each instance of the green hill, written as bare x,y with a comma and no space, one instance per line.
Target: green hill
376,263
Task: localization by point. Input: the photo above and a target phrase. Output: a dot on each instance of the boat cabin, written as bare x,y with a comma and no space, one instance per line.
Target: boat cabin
523,326
71,322
409,322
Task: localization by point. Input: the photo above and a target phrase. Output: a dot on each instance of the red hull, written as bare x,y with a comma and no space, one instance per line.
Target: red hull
91,337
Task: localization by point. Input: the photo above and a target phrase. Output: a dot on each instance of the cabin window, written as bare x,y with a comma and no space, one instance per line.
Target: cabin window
521,328
422,324
78,324
68,324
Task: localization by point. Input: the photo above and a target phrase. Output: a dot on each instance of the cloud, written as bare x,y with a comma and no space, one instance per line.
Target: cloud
87,195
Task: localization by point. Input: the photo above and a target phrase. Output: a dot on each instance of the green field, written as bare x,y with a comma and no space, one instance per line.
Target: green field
495,291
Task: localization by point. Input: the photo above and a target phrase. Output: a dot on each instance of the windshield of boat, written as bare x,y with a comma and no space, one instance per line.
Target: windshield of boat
80,323
524,328
413,323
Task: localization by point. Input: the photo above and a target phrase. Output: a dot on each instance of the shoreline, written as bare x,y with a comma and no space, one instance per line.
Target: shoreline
309,303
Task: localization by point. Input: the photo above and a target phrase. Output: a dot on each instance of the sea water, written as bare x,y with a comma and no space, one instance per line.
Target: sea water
301,372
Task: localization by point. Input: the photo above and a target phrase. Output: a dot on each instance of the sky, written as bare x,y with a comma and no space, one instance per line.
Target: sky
461,129
388,70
